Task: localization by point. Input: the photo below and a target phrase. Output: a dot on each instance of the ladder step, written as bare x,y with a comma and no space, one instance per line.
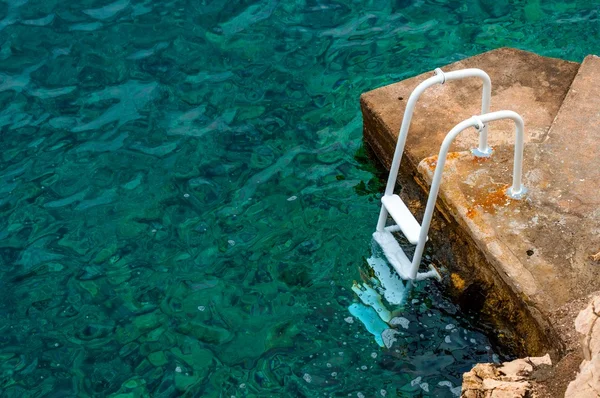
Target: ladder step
398,259
394,253
403,217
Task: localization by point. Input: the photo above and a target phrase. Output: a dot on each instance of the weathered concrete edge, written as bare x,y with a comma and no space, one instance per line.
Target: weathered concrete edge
536,326
498,253
498,256
516,274
520,328
464,258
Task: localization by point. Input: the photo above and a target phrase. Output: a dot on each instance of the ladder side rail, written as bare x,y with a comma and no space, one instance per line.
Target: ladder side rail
483,150
406,119
516,191
439,78
433,193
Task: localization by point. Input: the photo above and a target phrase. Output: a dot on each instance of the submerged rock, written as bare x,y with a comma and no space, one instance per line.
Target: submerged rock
157,358
244,347
196,357
149,321
208,334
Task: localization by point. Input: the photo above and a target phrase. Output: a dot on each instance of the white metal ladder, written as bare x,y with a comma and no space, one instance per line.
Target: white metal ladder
394,206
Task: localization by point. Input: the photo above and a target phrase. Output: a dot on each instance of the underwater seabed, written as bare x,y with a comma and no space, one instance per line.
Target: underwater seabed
184,204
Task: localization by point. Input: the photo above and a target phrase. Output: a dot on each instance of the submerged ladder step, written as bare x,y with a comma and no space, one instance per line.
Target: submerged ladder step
398,259
403,217
394,253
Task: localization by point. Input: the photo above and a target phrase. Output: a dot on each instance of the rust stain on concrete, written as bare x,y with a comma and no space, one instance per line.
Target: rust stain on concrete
490,201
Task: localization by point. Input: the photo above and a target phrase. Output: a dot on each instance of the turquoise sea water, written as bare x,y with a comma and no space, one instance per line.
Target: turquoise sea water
185,205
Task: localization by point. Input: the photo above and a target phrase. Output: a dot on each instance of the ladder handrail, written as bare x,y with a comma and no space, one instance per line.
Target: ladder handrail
440,77
515,191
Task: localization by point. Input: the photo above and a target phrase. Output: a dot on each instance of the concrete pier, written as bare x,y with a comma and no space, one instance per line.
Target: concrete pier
518,262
